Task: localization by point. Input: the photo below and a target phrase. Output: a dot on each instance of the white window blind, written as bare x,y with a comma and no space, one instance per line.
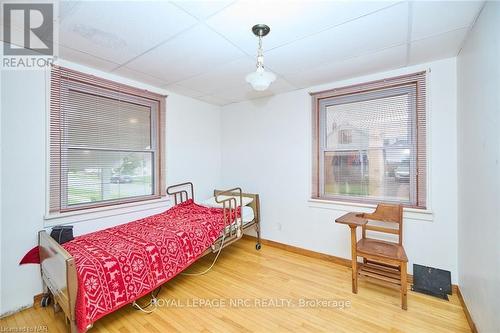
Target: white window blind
369,142
106,142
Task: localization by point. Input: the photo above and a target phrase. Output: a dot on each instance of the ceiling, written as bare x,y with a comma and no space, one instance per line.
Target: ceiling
204,49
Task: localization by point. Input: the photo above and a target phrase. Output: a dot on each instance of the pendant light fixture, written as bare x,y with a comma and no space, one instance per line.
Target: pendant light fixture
260,79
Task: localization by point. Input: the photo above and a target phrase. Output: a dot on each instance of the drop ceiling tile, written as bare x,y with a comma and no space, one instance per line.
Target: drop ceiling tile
191,53
214,100
67,8
244,91
120,31
437,47
379,61
183,90
383,29
436,17
227,75
203,9
289,20
139,76
86,59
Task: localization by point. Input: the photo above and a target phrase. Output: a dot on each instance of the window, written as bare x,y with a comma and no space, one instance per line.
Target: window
369,142
106,142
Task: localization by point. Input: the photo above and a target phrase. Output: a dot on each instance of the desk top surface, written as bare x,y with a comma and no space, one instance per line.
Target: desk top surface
352,219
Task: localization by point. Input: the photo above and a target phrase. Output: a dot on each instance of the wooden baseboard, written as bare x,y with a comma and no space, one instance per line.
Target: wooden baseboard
323,256
466,311
308,253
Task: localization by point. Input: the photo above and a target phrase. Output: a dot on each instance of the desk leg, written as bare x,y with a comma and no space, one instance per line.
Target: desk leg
404,286
354,261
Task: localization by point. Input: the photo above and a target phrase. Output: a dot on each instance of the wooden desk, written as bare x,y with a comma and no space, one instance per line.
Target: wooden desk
353,221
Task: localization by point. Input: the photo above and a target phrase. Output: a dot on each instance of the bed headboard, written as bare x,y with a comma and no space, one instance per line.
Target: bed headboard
181,192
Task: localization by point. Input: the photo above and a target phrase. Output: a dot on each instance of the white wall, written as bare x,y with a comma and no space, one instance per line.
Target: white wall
193,154
267,149
1,149
479,169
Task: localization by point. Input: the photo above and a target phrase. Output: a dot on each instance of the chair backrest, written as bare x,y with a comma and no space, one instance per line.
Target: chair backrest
386,214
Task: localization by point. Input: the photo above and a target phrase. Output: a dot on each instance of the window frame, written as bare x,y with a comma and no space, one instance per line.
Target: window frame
362,92
61,82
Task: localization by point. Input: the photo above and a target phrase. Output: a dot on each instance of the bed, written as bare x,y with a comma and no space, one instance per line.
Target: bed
97,273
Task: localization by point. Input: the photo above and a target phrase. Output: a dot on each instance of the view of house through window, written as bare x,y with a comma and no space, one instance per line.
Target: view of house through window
368,146
374,159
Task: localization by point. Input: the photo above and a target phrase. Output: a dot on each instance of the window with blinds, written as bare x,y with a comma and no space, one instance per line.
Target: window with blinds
106,142
369,142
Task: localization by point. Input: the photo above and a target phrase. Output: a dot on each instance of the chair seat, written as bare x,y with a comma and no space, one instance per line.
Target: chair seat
383,249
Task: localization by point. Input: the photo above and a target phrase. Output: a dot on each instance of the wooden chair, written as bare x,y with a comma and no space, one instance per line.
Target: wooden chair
382,259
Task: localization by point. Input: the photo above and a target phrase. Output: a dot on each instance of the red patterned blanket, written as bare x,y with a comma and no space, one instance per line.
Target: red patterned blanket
116,266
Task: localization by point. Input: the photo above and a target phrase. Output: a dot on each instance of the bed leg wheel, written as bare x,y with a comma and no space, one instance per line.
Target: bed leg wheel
258,246
45,301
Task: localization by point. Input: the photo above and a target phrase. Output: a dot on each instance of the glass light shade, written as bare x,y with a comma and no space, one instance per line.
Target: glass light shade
260,79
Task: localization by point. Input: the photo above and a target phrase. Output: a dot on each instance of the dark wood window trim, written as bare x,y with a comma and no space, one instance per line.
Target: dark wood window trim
417,80
63,79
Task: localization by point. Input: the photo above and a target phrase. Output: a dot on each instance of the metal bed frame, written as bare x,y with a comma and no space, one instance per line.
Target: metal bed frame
255,205
58,268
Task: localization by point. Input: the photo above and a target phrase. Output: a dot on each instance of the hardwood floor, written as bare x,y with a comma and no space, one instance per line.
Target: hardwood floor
259,280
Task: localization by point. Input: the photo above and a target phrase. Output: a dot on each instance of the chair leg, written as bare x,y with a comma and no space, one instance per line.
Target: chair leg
354,262
404,286
354,276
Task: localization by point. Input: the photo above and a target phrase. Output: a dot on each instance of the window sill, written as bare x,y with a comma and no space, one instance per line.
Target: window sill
53,219
408,213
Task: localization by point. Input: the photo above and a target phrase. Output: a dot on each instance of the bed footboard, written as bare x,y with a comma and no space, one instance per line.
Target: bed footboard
232,231
233,223
58,271
255,204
